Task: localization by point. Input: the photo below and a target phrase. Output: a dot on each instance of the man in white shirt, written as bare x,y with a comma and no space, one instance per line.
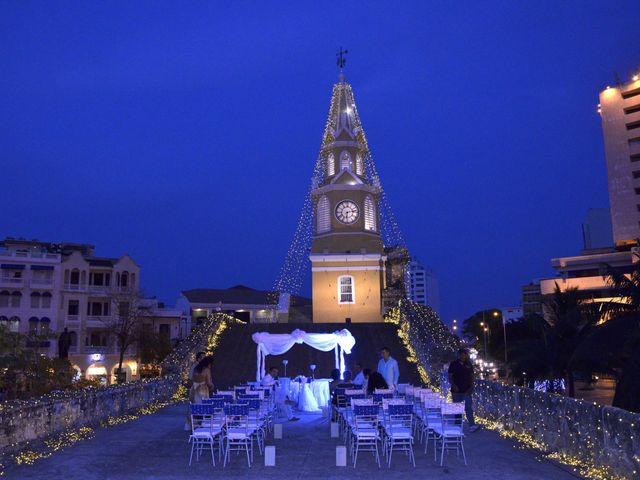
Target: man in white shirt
271,380
388,368
359,378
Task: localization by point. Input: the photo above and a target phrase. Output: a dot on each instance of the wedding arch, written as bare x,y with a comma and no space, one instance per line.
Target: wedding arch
340,342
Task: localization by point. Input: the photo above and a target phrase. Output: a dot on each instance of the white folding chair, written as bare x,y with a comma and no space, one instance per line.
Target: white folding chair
237,434
365,433
204,431
399,432
450,435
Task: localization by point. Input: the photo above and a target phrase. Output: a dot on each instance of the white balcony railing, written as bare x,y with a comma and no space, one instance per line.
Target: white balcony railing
75,287
99,288
41,282
38,255
12,282
72,318
99,320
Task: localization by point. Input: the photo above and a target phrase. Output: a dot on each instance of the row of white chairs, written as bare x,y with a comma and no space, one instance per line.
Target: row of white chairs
399,420
231,421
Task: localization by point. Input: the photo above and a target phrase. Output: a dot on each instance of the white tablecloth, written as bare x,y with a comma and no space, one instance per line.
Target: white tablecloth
319,389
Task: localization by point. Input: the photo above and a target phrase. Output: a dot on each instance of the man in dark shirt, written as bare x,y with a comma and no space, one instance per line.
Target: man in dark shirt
461,379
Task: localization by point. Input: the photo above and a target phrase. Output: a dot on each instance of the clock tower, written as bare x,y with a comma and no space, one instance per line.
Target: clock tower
347,253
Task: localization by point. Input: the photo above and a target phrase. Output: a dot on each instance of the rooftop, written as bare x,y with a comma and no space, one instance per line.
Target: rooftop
238,295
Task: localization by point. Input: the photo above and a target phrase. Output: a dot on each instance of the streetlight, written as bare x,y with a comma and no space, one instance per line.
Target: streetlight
485,330
504,333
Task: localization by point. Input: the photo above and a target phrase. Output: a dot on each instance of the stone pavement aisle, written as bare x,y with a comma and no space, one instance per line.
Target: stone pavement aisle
155,447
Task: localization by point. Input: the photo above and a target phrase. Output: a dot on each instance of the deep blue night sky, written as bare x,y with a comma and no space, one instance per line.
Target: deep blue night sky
185,134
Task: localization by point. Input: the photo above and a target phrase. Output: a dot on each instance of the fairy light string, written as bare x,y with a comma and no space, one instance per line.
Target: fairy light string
531,419
296,262
176,368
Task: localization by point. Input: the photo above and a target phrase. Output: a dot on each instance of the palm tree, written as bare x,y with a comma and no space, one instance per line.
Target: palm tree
544,347
570,319
625,311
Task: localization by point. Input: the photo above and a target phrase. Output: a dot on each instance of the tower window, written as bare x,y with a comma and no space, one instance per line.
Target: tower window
331,165
345,161
370,214
346,289
359,164
323,212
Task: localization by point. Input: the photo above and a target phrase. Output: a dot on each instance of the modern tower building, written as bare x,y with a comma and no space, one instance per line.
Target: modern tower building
423,285
347,253
589,272
620,110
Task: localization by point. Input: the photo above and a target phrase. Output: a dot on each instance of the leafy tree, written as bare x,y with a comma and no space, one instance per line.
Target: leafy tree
125,324
570,320
24,373
152,347
544,348
617,342
473,332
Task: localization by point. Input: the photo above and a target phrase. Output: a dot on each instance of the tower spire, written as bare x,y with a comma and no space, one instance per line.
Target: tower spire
341,60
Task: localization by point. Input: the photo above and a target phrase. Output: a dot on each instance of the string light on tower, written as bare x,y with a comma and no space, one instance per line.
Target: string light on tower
296,262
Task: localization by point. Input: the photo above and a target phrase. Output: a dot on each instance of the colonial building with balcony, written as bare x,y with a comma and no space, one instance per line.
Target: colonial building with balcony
46,288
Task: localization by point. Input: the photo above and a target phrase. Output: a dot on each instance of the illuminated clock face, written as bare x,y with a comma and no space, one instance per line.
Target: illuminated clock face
347,212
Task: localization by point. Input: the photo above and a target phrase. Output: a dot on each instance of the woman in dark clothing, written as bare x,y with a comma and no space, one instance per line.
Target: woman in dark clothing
375,381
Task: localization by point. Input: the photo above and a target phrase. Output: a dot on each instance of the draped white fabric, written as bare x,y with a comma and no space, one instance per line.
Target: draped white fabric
278,343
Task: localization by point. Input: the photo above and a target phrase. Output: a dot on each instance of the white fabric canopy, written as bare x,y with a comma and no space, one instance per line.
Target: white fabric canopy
340,342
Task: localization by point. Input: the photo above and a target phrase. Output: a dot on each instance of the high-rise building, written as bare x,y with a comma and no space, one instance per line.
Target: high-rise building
347,253
423,285
532,298
620,110
596,229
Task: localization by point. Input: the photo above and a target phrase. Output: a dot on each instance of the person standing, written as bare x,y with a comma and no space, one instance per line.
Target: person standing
461,379
202,382
388,368
199,356
201,385
64,343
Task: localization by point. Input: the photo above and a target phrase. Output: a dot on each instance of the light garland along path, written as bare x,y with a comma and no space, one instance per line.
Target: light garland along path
155,447
206,337
34,451
419,327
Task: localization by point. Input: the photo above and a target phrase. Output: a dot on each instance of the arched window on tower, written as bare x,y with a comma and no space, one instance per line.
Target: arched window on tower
359,164
345,161
370,222
323,213
346,289
331,165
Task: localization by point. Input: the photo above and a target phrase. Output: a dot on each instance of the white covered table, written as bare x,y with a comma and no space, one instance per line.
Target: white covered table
318,390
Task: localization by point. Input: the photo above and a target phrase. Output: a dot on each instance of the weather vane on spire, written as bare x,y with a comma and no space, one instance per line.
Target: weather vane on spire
341,58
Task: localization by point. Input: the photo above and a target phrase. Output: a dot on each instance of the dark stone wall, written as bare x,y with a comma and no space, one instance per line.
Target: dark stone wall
28,420
592,434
